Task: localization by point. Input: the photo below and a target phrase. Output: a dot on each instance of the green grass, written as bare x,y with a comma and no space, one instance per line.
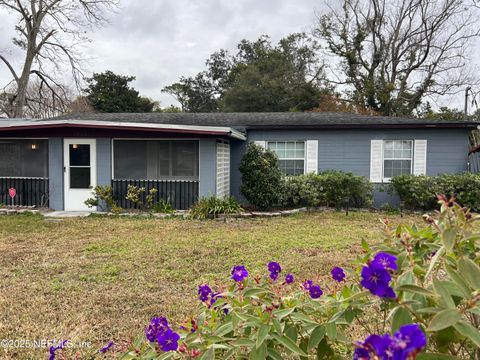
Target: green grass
99,279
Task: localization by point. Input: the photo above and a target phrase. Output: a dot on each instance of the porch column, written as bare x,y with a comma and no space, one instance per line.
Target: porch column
55,173
207,167
104,161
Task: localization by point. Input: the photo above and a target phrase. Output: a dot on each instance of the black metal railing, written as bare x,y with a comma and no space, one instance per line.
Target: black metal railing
180,193
29,191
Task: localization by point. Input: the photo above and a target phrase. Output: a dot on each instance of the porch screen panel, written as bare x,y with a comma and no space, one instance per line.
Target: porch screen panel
24,158
156,159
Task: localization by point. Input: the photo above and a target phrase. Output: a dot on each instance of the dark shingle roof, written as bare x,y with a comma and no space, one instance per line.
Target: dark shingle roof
271,120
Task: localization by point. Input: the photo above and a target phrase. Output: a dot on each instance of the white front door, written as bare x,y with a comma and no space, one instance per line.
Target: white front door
80,172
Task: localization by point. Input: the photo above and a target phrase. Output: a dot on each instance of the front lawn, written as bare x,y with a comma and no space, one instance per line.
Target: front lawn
98,279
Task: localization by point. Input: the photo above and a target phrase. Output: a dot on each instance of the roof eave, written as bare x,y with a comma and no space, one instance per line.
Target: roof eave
92,124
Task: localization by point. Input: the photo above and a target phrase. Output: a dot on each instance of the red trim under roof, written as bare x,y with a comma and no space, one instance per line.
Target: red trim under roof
113,127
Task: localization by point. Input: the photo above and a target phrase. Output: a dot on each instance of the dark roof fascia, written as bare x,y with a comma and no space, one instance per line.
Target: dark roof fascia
366,126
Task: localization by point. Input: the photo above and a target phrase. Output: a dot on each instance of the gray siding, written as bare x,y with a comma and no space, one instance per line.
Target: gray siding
349,150
55,173
104,161
208,167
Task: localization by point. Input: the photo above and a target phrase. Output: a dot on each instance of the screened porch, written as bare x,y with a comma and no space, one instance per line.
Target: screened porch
170,166
24,167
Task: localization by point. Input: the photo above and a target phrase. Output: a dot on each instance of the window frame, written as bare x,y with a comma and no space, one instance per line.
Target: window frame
411,159
47,160
304,158
164,178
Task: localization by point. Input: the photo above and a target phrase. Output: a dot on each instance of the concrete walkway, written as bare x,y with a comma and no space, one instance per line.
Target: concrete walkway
67,214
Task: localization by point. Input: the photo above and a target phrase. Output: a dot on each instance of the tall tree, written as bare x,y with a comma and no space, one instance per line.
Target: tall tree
109,92
259,77
393,53
48,33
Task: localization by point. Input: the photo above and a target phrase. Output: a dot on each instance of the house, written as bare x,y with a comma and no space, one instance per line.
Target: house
56,162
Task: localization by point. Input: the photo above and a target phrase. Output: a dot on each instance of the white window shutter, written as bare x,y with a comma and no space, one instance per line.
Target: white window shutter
263,144
420,157
376,161
312,156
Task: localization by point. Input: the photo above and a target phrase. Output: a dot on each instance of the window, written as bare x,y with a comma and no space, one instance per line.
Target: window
291,156
155,159
24,158
397,158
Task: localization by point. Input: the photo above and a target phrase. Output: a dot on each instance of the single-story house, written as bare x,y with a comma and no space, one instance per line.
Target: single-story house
56,162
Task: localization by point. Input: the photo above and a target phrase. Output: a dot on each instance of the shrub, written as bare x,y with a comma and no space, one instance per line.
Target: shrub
136,196
262,179
328,188
163,206
103,198
213,206
420,192
418,291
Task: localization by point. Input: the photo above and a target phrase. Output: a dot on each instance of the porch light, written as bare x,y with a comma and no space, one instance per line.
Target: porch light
34,146
75,146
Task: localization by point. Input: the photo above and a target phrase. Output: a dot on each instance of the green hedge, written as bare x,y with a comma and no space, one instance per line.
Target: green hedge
262,180
328,188
420,192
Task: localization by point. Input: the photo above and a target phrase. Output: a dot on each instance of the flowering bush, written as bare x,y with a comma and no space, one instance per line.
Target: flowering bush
416,295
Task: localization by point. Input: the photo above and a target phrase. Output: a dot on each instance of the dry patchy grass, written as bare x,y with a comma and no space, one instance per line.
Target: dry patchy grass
97,279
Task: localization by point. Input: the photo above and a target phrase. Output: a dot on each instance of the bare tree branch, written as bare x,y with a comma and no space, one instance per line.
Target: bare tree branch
49,32
393,53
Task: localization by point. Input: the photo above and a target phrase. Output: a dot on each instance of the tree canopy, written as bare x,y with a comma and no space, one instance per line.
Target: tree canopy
109,92
259,77
391,54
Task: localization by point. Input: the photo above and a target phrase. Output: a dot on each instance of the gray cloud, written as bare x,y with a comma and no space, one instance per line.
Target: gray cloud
160,40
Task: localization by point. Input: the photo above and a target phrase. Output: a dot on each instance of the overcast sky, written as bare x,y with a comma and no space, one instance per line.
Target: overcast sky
160,40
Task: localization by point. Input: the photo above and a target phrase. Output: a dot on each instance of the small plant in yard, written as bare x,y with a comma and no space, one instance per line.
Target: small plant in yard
414,296
150,198
163,206
213,206
103,197
134,195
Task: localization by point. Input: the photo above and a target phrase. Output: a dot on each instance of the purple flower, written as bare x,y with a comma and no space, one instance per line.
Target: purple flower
374,347
158,325
203,292
337,274
239,273
168,340
106,347
274,267
213,298
55,348
376,279
307,284
315,291
387,261
274,276
289,279
409,339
